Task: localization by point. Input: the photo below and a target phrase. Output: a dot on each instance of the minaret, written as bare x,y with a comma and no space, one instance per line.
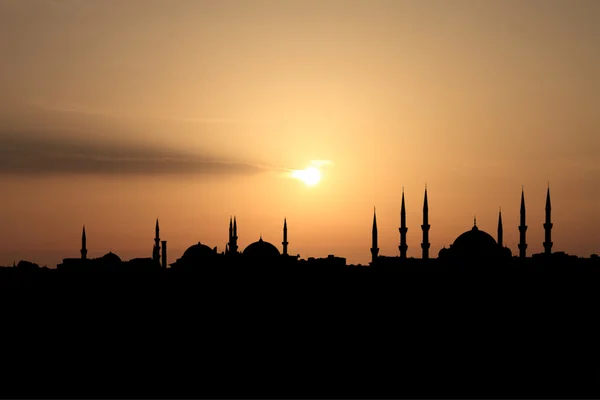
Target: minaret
233,239
425,227
164,254
548,225
403,246
522,228
156,250
500,228
227,247
83,245
374,248
285,241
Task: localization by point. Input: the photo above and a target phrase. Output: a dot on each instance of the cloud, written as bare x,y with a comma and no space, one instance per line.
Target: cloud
36,155
82,109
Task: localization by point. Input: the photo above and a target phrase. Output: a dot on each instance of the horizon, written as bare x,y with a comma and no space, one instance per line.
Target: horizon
116,113
510,241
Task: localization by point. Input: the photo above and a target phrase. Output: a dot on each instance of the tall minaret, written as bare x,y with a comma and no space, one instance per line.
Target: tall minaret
403,246
227,248
522,228
425,227
548,225
285,241
83,245
374,248
156,249
500,228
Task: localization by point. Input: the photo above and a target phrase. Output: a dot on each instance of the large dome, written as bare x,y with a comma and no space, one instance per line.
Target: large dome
475,238
474,244
261,249
111,257
197,252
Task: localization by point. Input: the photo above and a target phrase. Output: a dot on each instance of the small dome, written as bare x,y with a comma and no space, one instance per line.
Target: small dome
261,249
197,252
111,257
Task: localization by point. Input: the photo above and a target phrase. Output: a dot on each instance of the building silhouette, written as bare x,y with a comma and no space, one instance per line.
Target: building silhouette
260,252
474,245
471,246
112,261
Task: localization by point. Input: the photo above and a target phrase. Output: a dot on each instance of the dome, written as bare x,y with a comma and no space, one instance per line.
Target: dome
261,249
475,238
111,257
473,244
198,252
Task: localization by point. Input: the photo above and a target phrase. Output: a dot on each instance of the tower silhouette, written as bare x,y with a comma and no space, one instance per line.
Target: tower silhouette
425,227
232,245
522,228
548,225
403,229
374,248
285,241
164,254
156,249
500,228
83,245
230,234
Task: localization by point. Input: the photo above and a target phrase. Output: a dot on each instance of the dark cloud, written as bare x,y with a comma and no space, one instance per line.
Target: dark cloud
38,155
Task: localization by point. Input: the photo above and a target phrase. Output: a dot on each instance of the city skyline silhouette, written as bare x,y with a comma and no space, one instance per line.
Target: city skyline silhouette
520,250
263,199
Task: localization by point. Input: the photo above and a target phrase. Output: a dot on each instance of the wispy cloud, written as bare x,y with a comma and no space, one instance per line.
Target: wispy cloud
35,155
82,109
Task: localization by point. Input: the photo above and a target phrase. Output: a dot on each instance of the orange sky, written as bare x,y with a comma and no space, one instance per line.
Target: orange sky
114,113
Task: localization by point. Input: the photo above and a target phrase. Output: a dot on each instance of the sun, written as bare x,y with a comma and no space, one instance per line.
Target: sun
310,176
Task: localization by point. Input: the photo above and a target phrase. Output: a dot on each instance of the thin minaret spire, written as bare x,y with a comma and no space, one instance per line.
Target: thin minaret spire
548,225
403,229
156,250
522,228
285,241
425,227
83,245
500,239
374,248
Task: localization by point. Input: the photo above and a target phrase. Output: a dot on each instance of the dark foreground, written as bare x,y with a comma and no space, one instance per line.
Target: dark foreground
293,334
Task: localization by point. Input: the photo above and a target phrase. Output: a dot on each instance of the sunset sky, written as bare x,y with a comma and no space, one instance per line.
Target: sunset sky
116,112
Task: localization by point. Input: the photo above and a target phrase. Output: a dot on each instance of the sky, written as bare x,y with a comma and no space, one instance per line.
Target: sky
116,112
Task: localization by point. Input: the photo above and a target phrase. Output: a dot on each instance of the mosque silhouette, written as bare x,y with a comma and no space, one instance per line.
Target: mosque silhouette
473,246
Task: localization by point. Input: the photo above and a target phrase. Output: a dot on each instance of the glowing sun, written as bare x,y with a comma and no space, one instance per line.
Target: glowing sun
310,176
